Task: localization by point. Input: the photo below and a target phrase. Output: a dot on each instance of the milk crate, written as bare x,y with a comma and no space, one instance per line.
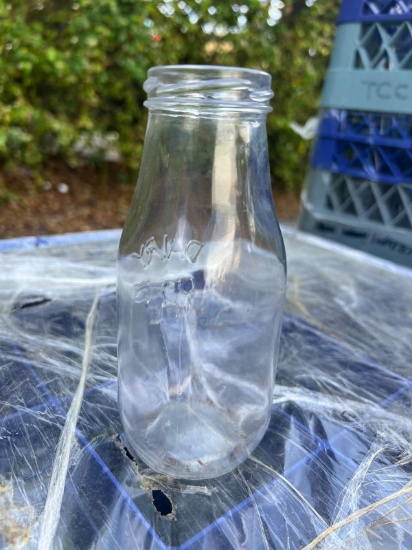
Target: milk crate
368,145
365,11
371,67
372,216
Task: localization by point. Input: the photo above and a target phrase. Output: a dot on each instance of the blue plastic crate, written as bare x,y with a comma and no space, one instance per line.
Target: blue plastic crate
105,504
376,146
374,10
337,378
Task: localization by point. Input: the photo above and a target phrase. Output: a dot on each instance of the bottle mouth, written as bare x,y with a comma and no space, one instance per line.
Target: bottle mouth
188,87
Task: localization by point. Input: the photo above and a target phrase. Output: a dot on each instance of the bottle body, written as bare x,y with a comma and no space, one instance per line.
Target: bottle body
201,285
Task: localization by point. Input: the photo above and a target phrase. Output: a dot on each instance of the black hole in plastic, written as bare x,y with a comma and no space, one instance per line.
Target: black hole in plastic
32,302
162,503
129,454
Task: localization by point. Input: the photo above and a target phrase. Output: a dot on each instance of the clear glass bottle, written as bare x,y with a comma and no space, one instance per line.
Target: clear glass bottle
201,275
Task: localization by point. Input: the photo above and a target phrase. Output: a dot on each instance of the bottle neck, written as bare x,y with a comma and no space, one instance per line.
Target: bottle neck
209,89
217,157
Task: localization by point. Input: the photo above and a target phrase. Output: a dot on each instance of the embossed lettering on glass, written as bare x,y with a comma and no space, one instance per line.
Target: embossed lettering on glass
201,275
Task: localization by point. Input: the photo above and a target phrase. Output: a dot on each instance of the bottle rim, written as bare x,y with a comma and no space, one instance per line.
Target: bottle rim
209,87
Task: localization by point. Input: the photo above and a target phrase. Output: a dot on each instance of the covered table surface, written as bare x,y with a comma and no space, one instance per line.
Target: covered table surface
334,469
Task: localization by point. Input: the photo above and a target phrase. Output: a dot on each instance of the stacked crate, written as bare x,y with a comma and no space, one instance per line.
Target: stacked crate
359,186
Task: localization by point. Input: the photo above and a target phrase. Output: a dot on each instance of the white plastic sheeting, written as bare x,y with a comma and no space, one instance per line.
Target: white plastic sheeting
333,471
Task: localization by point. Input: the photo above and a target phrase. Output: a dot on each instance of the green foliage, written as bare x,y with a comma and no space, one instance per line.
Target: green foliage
67,69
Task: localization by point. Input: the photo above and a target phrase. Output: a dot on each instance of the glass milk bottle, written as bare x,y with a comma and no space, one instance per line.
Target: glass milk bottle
201,275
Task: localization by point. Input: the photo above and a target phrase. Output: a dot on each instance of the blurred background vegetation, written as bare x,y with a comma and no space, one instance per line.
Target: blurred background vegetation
72,73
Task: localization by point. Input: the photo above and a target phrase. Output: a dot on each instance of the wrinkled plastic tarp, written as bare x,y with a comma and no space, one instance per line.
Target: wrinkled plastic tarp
333,471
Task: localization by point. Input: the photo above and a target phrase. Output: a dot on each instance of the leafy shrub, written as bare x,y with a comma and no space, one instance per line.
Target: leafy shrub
71,69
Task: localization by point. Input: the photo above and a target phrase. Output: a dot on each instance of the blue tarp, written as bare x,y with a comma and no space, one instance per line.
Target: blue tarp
333,471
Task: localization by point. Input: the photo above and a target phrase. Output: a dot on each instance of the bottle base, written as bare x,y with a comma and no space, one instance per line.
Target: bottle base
193,442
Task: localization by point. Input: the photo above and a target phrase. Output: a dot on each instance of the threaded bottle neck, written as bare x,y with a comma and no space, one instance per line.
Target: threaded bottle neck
209,88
